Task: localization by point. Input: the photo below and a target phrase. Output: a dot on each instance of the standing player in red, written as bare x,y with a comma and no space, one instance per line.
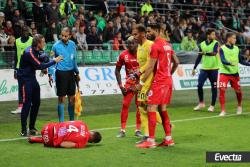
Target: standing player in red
229,71
161,58
129,59
71,134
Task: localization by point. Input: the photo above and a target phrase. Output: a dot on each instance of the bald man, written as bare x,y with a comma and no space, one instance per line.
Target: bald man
67,73
129,60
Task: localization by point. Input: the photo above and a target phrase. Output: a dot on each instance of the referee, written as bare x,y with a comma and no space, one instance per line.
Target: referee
32,60
67,73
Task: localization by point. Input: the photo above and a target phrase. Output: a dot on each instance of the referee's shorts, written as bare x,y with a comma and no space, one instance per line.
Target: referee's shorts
65,83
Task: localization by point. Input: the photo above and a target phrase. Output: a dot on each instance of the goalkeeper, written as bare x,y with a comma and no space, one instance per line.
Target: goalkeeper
143,56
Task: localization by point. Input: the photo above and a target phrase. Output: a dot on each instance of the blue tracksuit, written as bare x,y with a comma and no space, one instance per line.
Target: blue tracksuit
212,75
29,63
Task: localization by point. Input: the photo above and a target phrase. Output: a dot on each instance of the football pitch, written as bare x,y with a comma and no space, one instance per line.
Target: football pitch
194,134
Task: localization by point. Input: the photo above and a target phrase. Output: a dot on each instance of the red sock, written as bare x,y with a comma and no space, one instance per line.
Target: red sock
222,98
239,97
166,122
125,106
138,119
36,139
20,105
151,124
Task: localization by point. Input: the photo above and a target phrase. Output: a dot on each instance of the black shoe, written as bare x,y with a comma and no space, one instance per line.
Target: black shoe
138,133
23,133
33,132
144,138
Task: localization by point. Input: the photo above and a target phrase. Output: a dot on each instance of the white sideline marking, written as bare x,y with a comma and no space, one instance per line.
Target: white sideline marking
131,126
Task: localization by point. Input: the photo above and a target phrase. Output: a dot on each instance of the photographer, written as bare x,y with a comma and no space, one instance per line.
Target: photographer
32,60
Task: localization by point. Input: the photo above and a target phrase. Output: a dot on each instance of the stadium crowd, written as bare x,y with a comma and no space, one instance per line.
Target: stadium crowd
183,21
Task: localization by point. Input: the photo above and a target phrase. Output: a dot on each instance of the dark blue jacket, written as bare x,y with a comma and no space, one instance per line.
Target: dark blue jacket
30,62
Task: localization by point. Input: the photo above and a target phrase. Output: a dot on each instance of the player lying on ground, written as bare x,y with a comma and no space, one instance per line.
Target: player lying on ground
72,134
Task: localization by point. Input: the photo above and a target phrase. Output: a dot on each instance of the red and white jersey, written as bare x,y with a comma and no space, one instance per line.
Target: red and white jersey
130,62
163,52
73,131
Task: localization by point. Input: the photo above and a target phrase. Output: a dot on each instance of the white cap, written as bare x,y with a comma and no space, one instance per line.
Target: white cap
2,14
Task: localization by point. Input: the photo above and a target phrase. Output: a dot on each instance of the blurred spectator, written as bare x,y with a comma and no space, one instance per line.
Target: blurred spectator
3,38
73,35
9,9
92,23
10,44
22,6
177,35
125,32
119,43
235,22
62,24
71,19
109,32
34,32
82,20
77,25
164,32
16,18
51,34
9,29
90,15
246,55
104,7
188,43
121,9
218,22
32,26
117,23
101,23
17,28
67,7
2,18
52,11
39,16
175,19
93,40
81,39
147,7
81,10
246,34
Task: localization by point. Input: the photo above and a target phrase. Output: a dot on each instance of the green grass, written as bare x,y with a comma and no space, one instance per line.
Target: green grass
193,138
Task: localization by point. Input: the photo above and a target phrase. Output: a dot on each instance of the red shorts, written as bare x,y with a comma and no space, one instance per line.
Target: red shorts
160,93
234,81
130,84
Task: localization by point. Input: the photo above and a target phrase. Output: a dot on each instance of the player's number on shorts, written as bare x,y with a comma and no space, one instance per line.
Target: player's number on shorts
72,129
222,84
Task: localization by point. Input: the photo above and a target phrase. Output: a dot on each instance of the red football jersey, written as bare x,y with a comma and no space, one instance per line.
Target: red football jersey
74,131
130,62
163,52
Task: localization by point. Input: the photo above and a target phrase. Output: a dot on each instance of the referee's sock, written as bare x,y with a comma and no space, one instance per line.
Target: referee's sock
71,112
60,109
